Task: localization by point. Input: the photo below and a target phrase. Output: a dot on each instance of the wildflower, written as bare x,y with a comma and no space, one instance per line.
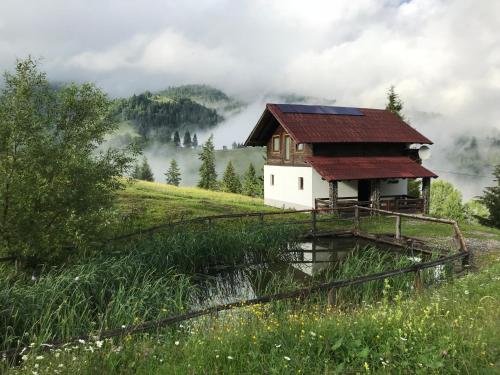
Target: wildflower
312,334
216,356
366,366
60,365
466,292
287,358
229,357
33,278
77,278
99,343
24,357
176,343
39,357
124,326
81,341
277,345
404,338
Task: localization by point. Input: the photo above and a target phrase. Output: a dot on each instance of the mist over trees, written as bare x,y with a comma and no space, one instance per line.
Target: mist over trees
143,171
57,187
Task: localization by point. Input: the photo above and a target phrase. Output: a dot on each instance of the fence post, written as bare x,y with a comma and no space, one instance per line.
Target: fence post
418,281
332,297
398,227
313,221
356,219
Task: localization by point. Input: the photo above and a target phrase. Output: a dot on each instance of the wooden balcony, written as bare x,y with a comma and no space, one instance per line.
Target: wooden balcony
395,203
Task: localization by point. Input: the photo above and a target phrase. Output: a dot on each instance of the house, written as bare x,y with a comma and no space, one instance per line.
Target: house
331,156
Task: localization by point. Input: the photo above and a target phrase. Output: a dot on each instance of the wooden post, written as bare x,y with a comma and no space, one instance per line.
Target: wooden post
313,221
334,195
375,198
418,281
356,219
426,193
332,297
398,227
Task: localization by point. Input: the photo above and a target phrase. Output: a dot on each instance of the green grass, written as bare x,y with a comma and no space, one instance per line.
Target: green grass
454,329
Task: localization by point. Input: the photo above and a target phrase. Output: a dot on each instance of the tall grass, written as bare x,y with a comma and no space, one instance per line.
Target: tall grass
143,279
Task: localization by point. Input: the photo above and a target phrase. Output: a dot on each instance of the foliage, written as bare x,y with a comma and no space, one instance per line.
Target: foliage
230,180
476,211
157,119
251,183
143,171
173,175
448,330
57,185
446,201
394,103
491,199
208,175
187,140
414,188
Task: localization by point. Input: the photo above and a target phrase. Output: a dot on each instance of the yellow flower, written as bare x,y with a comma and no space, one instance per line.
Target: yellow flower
367,368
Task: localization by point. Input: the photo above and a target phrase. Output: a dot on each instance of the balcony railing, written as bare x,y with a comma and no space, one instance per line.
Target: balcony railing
396,203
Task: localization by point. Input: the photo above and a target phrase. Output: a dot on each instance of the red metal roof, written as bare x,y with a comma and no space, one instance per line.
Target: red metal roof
362,167
376,125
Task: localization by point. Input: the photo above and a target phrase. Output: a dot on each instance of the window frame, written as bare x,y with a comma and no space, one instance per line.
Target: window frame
297,147
301,183
278,137
272,179
288,142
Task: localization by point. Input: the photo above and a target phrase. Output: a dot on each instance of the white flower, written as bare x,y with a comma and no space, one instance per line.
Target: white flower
99,343
229,357
60,365
216,356
57,354
176,343
24,357
39,357
312,334
77,278
33,278
81,341
404,338
277,345
466,291
287,358
36,365
123,326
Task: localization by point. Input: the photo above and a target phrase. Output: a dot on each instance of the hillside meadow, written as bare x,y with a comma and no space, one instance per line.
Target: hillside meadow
452,327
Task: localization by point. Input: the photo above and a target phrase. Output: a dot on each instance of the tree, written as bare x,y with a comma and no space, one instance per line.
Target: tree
195,141
446,201
230,181
395,104
491,199
146,173
251,185
57,182
414,187
177,139
173,175
187,140
208,175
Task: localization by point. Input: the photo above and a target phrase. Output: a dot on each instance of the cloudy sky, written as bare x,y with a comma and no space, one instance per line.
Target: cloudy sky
443,56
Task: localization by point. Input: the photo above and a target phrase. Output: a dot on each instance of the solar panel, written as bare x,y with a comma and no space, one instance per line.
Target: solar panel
319,109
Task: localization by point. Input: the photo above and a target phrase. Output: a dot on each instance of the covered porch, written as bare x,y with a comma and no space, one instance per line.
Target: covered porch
372,177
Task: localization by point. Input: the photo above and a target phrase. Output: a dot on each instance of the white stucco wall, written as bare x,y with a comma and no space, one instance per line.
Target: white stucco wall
286,193
399,188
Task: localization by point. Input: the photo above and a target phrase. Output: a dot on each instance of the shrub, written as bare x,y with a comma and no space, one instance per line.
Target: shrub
446,201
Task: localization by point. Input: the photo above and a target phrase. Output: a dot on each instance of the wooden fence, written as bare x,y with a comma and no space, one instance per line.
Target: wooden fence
331,288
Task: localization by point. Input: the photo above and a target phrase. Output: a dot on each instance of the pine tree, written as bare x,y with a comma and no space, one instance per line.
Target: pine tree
173,175
187,139
491,199
195,141
146,173
177,139
230,181
251,185
208,175
395,104
136,172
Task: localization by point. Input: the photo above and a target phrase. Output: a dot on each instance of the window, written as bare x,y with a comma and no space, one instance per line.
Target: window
272,180
276,143
299,147
288,142
301,183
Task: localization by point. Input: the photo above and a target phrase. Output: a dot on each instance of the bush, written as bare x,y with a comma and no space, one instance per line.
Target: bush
446,201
